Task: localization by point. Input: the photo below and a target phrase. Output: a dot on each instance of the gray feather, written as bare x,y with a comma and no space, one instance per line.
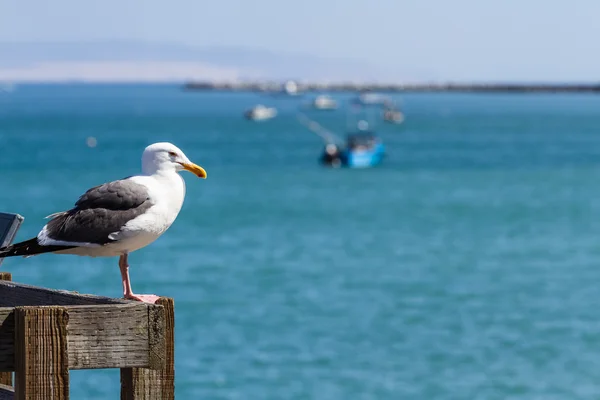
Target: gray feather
100,211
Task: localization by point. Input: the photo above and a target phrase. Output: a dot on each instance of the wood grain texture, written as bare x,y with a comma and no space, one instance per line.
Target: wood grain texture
99,336
41,342
157,331
108,336
41,359
13,294
154,384
5,377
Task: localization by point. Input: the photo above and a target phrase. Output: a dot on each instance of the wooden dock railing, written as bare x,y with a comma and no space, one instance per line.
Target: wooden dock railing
45,333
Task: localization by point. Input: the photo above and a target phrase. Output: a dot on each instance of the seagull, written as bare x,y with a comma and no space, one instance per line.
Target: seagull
119,217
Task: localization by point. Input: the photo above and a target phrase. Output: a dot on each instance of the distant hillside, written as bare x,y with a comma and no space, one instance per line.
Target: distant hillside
120,60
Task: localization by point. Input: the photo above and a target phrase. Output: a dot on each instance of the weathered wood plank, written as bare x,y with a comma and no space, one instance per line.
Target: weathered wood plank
157,335
157,384
5,377
100,336
108,336
41,359
14,294
7,392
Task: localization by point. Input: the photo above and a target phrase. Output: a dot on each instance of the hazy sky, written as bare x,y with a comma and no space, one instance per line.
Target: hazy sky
449,39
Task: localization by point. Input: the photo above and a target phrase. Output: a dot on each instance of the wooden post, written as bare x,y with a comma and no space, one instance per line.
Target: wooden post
6,377
158,383
44,333
41,358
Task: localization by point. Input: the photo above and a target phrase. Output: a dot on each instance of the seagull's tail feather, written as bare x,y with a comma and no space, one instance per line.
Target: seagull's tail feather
29,247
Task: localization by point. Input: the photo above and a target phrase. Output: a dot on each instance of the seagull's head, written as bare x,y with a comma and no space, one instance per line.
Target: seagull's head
168,157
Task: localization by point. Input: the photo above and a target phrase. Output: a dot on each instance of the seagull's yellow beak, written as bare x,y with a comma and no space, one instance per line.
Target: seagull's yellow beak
195,169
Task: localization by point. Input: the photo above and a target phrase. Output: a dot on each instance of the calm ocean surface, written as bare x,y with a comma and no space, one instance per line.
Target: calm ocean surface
466,267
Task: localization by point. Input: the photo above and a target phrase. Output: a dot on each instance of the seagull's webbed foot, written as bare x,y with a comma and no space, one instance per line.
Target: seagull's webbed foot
146,298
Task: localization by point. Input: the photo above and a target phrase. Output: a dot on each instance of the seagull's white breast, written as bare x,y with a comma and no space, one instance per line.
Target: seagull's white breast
167,192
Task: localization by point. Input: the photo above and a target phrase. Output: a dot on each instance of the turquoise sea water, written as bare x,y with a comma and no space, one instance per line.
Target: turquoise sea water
465,267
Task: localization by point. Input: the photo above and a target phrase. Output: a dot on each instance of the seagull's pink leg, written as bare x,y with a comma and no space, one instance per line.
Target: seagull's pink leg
127,292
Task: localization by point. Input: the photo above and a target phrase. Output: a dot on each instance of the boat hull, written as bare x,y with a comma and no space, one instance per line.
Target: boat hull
363,158
353,158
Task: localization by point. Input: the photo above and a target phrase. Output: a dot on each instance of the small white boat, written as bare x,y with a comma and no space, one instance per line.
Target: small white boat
368,98
290,88
323,102
260,113
393,116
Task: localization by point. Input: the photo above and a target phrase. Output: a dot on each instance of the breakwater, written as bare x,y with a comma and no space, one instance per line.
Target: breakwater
394,88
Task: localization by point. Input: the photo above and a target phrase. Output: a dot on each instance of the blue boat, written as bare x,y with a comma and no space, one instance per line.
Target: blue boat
362,150
362,147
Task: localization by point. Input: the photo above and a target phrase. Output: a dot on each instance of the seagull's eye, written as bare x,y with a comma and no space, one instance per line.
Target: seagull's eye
172,154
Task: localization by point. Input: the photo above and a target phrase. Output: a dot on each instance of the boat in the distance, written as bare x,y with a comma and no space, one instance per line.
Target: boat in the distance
260,113
362,148
390,113
324,102
372,99
290,88
393,115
